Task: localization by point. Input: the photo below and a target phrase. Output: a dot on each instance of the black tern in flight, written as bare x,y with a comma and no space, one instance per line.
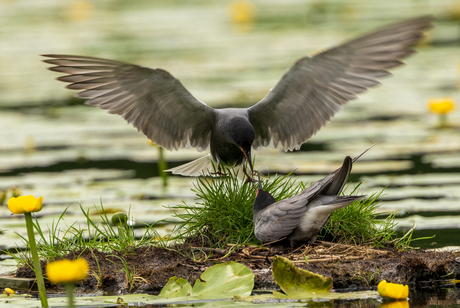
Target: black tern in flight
304,100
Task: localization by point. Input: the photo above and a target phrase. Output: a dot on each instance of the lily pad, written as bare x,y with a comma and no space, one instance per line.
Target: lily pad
224,280
298,283
176,287
219,281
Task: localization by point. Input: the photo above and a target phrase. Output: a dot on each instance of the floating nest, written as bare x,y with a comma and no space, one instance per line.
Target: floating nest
350,266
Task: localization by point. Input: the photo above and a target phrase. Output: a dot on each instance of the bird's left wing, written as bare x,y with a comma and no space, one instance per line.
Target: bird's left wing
279,219
152,100
315,88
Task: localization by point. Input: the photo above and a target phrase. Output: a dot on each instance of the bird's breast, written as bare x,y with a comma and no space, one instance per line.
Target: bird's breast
226,152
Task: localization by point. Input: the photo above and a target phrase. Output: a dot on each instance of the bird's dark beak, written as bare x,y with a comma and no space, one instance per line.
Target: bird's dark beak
260,185
247,154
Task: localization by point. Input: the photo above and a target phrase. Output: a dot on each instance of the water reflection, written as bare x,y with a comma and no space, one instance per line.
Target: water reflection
395,304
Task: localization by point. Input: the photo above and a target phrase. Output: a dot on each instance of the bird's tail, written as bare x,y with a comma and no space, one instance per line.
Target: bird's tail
329,204
202,166
340,178
341,175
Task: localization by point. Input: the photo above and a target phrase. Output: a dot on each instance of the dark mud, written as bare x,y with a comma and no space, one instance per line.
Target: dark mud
349,266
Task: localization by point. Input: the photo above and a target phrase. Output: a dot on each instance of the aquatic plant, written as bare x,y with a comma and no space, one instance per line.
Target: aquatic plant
441,106
242,15
68,272
162,163
105,237
393,290
8,292
26,205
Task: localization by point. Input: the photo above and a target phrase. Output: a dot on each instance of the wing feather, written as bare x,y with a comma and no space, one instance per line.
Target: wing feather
315,88
152,100
279,219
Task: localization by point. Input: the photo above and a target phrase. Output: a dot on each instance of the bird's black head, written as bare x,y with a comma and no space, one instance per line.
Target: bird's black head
263,199
242,134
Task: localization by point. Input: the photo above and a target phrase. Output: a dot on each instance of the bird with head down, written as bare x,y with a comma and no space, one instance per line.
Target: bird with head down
308,95
300,218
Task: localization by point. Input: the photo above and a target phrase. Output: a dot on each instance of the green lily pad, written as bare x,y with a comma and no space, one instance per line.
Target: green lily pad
299,283
224,280
176,287
219,281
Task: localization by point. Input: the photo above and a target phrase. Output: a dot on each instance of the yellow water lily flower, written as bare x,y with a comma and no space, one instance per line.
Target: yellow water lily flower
25,204
393,290
242,11
8,291
441,105
80,10
65,271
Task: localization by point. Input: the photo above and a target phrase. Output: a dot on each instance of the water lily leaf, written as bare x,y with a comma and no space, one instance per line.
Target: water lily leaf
176,287
296,282
224,280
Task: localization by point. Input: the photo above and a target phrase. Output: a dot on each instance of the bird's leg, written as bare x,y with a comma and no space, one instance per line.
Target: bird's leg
219,171
248,179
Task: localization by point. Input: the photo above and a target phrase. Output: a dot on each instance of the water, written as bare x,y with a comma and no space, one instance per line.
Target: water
53,146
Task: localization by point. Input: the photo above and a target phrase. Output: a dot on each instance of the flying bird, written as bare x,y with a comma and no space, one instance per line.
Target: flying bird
300,218
305,99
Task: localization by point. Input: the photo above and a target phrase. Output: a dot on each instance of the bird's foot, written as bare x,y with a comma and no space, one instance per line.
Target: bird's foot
249,179
219,173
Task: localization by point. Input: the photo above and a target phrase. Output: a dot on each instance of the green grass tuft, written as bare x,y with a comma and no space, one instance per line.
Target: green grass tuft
101,236
223,212
223,215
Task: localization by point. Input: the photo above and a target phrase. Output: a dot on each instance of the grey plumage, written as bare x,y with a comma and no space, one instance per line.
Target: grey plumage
301,217
305,99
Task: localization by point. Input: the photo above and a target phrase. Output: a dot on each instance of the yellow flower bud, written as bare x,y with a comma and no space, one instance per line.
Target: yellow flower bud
80,10
65,271
393,290
441,105
8,292
25,204
242,12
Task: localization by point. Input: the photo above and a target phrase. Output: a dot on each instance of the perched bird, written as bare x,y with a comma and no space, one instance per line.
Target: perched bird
306,97
301,217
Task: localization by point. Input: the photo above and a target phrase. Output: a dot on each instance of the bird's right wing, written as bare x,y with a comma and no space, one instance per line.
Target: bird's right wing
315,88
152,100
279,219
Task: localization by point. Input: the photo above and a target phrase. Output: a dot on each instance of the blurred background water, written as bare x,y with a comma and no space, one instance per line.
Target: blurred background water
228,54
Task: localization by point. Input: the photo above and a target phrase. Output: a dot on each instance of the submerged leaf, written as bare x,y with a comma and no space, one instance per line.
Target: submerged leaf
176,287
296,282
224,280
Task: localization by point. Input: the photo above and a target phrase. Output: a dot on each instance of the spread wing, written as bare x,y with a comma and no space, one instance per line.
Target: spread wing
315,88
152,100
279,219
